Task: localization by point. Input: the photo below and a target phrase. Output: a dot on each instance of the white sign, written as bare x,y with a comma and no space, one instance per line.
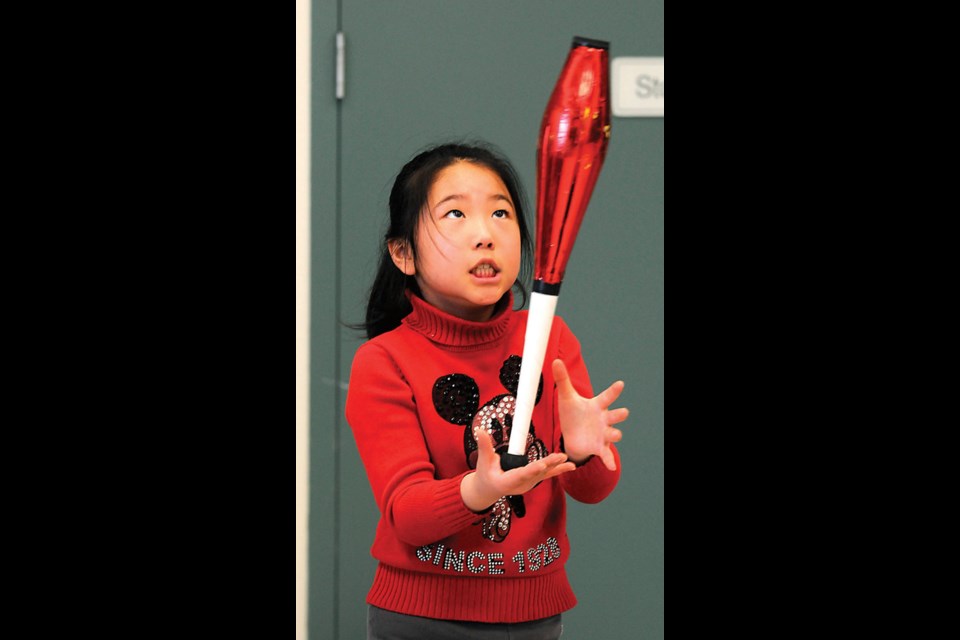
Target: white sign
637,87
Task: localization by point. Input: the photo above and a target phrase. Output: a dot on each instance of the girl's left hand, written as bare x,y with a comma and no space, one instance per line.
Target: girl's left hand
585,422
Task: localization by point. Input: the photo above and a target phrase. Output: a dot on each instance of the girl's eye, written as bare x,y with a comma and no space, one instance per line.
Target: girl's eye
455,213
501,213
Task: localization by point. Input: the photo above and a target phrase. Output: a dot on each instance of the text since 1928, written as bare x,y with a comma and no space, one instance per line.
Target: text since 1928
477,562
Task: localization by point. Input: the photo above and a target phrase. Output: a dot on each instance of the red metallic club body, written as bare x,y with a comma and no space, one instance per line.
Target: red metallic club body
570,151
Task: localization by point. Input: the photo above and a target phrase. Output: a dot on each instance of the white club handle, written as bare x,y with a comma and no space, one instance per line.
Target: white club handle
539,322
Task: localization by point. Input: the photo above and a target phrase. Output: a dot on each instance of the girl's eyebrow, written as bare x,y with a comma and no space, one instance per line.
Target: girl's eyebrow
457,196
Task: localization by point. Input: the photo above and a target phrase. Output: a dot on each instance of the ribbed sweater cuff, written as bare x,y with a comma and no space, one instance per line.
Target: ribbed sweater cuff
441,504
448,505
592,470
592,482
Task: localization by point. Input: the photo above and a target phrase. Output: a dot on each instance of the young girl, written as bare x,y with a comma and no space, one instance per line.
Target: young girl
465,549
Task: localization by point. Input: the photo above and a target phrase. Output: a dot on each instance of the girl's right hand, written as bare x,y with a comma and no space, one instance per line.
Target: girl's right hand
490,482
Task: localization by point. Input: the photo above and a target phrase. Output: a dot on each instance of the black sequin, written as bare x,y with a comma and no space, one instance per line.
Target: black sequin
456,398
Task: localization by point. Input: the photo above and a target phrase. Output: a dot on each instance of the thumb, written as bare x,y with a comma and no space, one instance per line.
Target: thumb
485,450
562,378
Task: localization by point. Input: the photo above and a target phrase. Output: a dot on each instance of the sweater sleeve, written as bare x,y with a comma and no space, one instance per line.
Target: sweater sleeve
591,482
382,413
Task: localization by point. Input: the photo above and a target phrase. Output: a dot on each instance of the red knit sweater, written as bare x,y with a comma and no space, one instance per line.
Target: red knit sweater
415,395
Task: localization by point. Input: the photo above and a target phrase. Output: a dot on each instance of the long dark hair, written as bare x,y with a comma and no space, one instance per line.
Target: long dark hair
388,303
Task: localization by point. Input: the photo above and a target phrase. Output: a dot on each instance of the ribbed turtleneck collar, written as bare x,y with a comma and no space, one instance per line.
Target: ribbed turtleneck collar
445,329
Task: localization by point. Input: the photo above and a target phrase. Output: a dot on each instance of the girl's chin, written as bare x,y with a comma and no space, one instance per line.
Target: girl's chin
490,299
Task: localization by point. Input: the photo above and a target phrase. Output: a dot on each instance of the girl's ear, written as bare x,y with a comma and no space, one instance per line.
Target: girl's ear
402,257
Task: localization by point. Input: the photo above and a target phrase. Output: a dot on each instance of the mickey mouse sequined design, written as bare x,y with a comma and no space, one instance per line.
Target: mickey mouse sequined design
456,398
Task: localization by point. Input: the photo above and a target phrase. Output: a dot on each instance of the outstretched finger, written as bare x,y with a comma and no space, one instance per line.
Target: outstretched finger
552,465
611,393
561,468
608,460
616,416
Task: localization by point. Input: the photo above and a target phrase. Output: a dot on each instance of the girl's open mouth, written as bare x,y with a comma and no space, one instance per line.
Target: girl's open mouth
484,270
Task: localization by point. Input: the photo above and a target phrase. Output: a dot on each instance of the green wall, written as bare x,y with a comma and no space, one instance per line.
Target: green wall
421,71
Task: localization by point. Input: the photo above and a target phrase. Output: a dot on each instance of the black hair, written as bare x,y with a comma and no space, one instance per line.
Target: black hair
388,303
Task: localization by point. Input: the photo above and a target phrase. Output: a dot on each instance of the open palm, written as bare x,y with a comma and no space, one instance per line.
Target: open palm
586,423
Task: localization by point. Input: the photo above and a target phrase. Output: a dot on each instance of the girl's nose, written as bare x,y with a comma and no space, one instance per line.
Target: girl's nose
484,236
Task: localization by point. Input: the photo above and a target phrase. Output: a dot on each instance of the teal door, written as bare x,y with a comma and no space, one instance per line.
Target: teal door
424,71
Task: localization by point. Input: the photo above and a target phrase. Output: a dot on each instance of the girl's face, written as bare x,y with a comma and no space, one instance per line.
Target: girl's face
468,242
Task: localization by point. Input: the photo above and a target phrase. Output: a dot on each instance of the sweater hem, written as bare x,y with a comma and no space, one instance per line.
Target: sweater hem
471,598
